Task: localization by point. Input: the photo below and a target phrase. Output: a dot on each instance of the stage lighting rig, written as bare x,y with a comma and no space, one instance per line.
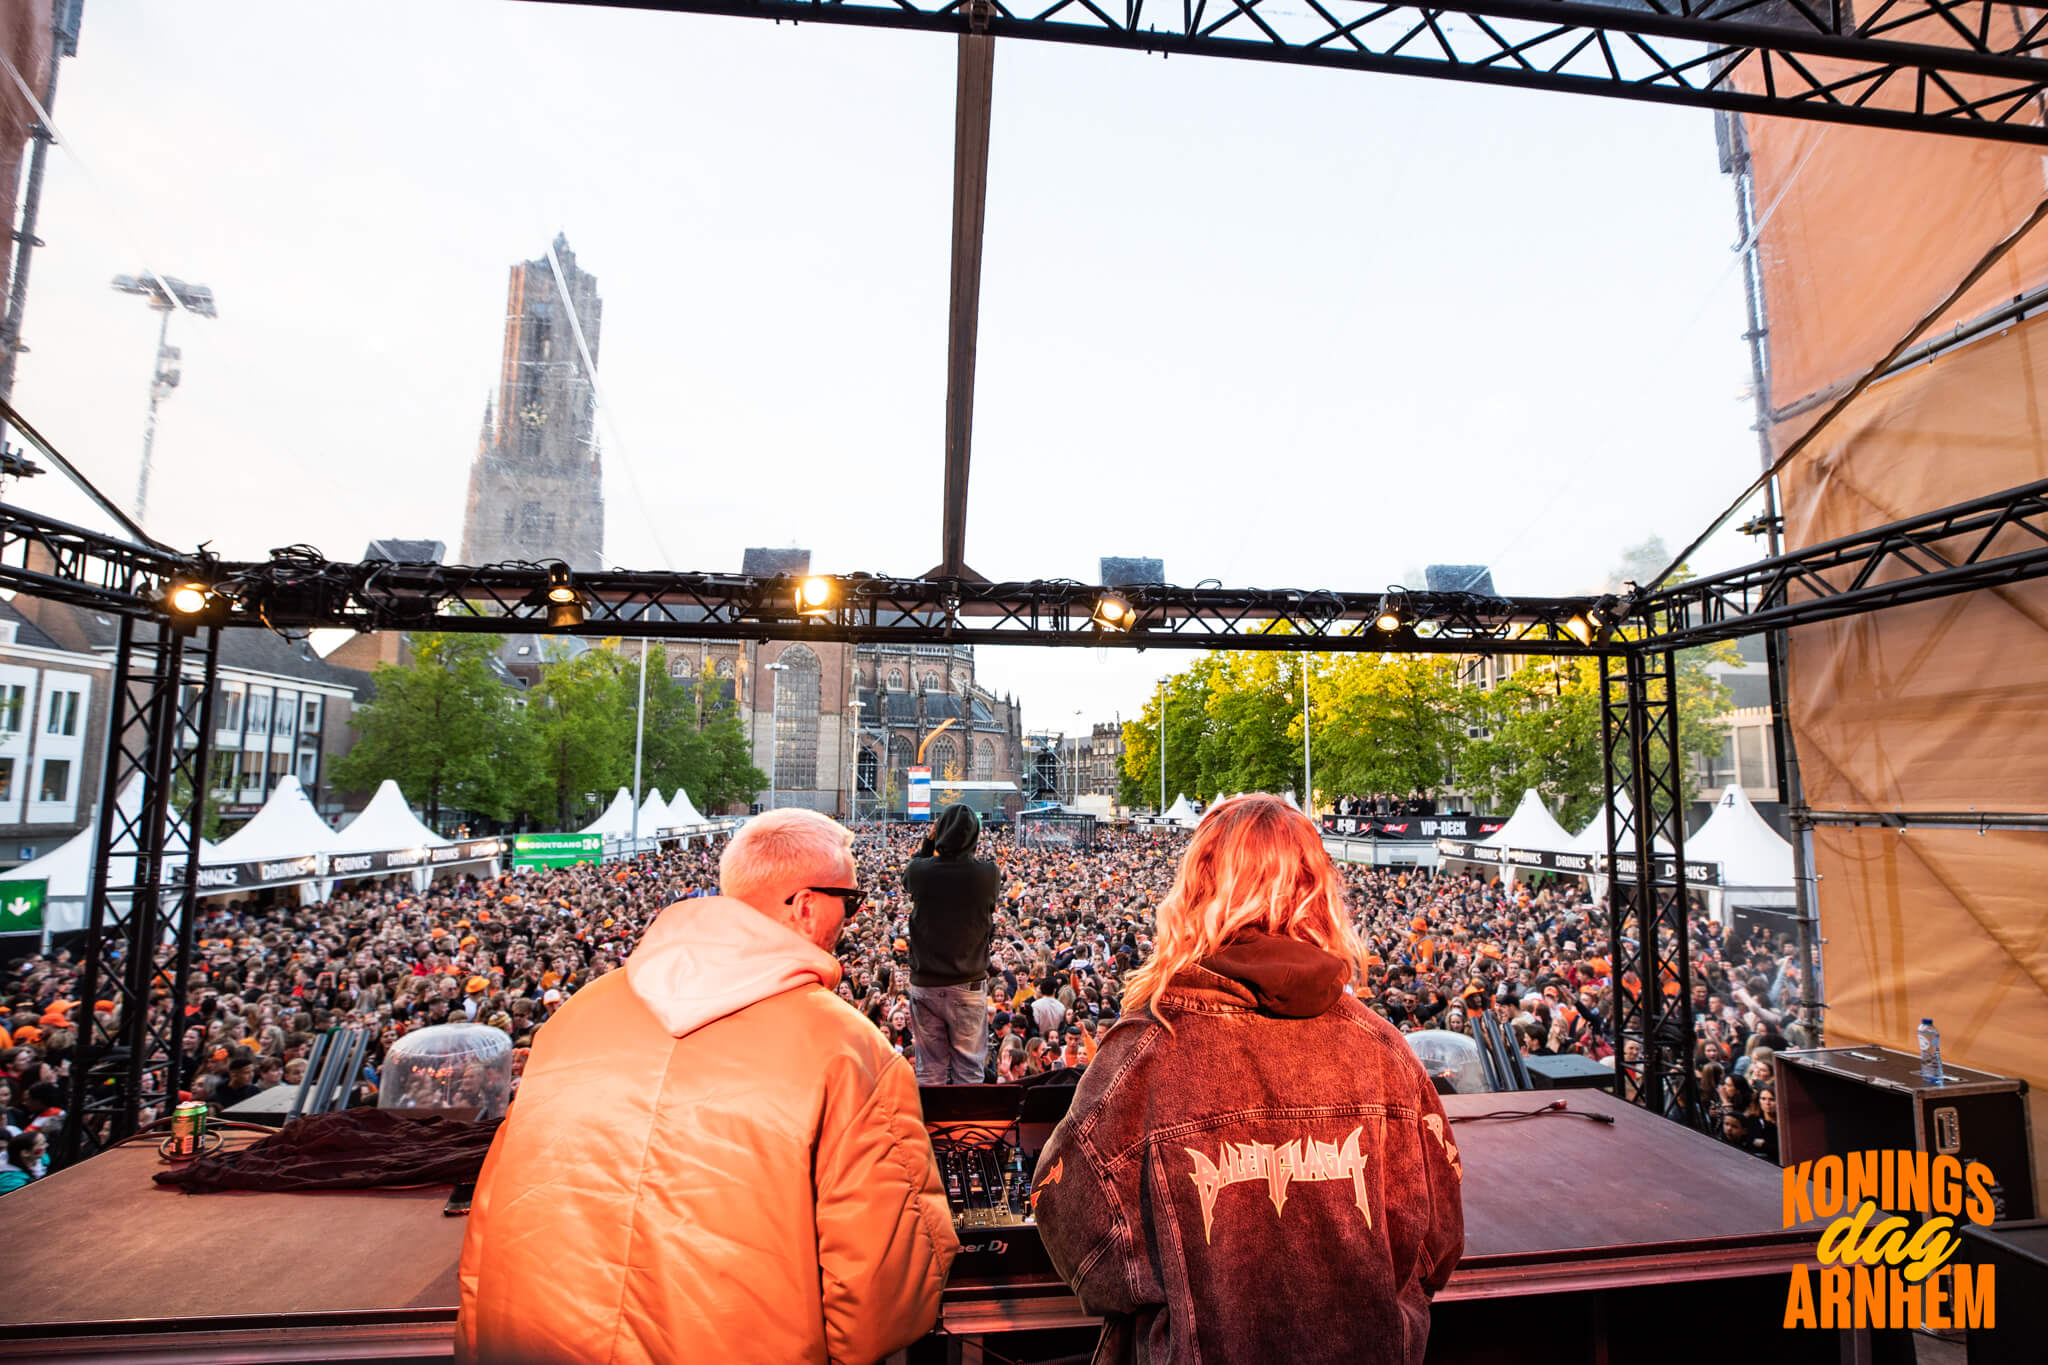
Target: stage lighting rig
816,596
565,601
189,603
1113,612
1392,614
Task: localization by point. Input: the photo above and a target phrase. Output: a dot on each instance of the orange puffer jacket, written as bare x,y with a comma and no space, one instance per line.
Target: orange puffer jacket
711,1157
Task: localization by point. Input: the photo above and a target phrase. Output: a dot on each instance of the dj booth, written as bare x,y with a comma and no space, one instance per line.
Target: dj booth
1637,1240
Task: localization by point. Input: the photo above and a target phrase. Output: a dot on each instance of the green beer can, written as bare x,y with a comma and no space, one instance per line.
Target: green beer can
188,1129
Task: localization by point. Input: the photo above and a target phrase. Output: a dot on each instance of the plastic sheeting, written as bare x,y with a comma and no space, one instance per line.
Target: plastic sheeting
1937,706
1943,925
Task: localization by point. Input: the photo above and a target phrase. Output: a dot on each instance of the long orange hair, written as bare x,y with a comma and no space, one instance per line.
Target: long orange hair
1255,863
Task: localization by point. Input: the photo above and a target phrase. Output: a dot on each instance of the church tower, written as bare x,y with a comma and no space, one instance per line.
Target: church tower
536,489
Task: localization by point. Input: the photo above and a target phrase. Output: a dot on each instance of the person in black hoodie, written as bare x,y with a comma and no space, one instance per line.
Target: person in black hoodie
952,918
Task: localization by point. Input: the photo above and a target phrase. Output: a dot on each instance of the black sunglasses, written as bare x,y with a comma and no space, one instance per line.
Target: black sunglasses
851,895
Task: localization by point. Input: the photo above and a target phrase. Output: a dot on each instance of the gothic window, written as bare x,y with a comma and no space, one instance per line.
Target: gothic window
895,680
866,766
683,666
931,682
944,760
984,761
529,520
901,752
796,719
718,690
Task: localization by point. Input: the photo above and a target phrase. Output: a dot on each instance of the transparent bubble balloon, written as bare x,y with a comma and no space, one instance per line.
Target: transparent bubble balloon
1450,1055
448,1066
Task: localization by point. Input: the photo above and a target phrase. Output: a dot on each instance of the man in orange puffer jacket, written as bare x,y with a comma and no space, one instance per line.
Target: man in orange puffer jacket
712,1156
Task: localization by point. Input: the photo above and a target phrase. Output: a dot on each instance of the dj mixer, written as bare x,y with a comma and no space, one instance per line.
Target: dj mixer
986,1139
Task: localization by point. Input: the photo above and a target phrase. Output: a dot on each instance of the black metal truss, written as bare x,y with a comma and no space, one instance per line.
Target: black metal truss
1646,915
1987,542
48,558
1951,66
293,591
141,904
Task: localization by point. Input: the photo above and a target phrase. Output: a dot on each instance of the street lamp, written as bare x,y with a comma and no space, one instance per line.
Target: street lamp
853,768
165,293
1162,742
774,725
1308,778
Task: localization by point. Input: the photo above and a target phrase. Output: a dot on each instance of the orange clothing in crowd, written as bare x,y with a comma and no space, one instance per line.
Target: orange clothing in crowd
711,1157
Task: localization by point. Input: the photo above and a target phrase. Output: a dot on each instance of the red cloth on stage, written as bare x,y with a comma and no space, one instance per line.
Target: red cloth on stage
351,1149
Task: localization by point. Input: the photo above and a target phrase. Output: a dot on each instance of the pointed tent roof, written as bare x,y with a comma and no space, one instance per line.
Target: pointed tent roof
1593,838
286,827
617,818
682,811
68,867
1182,810
1531,827
1756,862
386,823
653,813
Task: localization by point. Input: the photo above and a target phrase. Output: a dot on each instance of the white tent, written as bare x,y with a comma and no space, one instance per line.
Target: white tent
1531,827
653,814
68,867
617,820
1756,863
286,827
1593,838
384,825
1182,810
682,811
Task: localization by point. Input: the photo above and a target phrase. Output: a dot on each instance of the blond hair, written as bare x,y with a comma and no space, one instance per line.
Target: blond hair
779,853
1255,863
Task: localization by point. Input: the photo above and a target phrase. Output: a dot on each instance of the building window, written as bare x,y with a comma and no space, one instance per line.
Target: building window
56,779
259,713
865,767
252,769
984,761
682,667
896,680
309,769
287,712
944,760
931,682
796,719
63,715
310,724
13,705
529,521
231,707
900,753
6,779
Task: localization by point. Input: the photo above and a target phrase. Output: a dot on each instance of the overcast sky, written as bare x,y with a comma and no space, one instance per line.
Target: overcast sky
1277,326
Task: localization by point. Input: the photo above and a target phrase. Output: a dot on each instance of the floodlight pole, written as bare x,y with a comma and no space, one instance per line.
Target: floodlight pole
774,726
161,382
639,736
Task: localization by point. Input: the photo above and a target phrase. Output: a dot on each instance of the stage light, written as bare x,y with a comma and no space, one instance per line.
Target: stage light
1113,612
1390,617
1579,628
564,599
814,597
188,599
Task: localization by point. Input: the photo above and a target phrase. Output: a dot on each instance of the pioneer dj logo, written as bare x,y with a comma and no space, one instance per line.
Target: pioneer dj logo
1304,1158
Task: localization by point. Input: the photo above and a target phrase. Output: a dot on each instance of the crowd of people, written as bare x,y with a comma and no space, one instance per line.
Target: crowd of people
506,951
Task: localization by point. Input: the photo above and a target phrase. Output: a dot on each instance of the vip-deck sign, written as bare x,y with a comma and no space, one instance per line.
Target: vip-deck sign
1421,827
1583,864
556,850
21,905
920,799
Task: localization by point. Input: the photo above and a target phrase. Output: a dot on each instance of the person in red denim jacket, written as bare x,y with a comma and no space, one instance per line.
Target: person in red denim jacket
1255,1167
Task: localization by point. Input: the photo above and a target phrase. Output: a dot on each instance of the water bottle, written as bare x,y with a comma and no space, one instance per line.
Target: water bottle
1930,1052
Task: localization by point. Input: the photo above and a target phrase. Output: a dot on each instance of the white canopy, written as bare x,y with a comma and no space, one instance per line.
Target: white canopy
286,827
68,867
384,825
1182,810
1593,838
617,820
682,811
1531,827
653,814
1756,863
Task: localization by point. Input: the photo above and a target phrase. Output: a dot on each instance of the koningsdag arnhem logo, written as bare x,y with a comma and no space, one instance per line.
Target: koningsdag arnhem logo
1879,1268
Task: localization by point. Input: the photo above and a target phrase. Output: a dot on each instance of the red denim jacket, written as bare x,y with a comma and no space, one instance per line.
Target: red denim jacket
1272,1180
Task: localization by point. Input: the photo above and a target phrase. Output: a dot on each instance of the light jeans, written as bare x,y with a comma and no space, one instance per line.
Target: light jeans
950,1024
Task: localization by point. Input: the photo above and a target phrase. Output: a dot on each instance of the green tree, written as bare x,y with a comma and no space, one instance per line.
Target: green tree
730,777
444,727
580,719
1388,723
1186,696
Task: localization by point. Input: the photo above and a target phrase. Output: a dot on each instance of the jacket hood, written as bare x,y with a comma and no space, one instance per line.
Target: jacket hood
705,958
1285,976
956,833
